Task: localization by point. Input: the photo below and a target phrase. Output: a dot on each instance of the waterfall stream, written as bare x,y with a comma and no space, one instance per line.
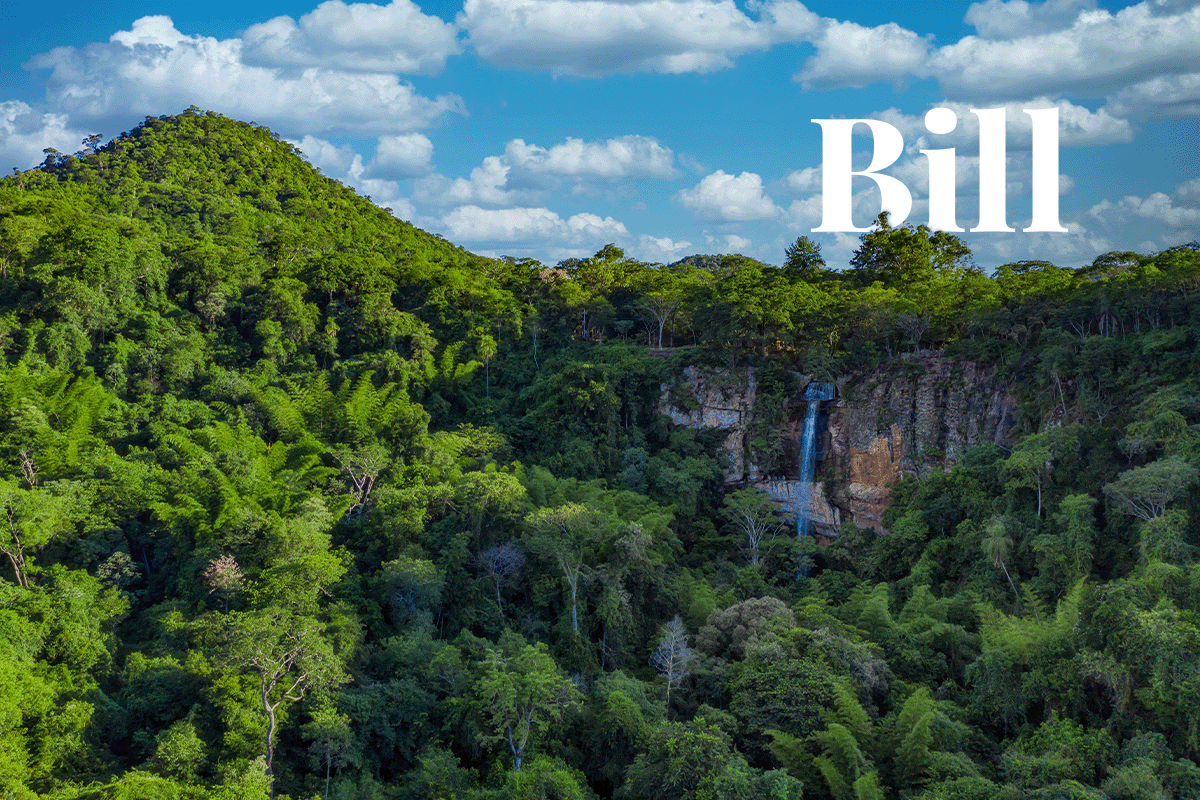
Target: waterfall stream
813,395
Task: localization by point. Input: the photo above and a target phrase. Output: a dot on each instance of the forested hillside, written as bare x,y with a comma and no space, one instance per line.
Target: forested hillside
300,501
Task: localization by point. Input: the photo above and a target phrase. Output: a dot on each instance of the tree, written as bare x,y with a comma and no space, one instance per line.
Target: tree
908,255
487,351
362,466
30,518
500,563
520,692
331,734
1032,460
224,578
996,546
569,535
1144,492
753,513
489,490
662,292
681,761
288,654
803,260
672,658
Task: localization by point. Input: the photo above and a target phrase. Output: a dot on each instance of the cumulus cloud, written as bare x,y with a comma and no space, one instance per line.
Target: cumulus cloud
153,67
24,133
736,244
1143,58
1162,97
331,159
1013,19
1095,53
486,184
626,157
525,172
803,180
804,215
849,54
1159,206
592,38
357,37
1075,248
721,196
404,156
471,223
661,249
1189,191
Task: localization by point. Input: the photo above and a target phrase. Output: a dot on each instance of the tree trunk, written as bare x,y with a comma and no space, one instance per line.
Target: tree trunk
574,612
264,692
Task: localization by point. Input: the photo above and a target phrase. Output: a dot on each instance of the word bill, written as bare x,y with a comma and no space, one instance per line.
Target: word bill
837,171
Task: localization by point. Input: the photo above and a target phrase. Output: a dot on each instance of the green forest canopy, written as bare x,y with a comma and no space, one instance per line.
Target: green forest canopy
301,500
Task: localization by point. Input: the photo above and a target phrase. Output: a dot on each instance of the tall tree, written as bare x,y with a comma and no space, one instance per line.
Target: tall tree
1144,492
752,513
520,692
288,654
672,658
569,535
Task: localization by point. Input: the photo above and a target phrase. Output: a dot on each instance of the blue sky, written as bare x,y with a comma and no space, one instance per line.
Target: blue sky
548,128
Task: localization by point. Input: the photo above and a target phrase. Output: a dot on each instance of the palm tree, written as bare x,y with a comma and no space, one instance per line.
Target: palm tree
996,546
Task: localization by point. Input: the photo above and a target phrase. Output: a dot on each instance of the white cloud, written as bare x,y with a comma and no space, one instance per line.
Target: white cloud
721,196
1143,58
661,249
24,133
1162,97
471,223
736,244
804,215
1096,54
1189,191
849,54
153,67
592,38
1158,206
487,184
1075,248
357,37
404,156
803,180
1013,19
525,172
626,157
331,159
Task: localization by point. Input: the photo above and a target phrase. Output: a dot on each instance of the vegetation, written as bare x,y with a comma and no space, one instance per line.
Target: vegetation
299,501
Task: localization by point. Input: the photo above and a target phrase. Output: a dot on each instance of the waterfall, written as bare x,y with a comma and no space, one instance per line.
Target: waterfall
813,395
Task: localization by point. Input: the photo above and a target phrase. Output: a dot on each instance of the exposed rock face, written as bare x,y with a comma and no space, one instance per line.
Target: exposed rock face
713,400
908,417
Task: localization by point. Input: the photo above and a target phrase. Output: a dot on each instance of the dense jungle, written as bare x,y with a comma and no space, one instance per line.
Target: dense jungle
299,501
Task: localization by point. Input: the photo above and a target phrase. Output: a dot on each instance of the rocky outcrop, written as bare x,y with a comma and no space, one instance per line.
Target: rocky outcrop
715,400
907,417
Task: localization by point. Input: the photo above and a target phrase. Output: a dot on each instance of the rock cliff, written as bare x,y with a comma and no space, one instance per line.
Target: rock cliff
908,416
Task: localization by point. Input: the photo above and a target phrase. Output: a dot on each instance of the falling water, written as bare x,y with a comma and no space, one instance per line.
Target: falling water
813,395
